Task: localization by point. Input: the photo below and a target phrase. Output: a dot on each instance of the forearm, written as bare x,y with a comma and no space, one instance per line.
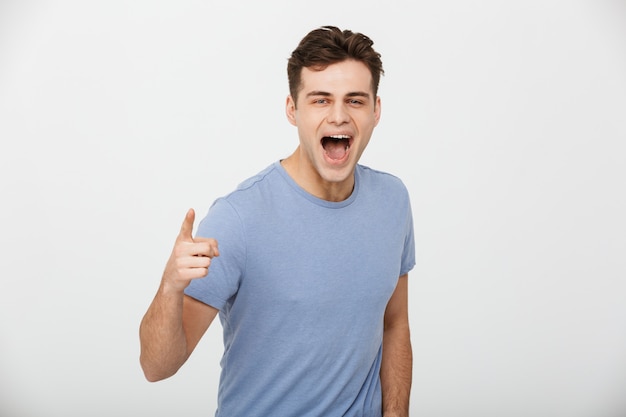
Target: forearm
162,336
396,371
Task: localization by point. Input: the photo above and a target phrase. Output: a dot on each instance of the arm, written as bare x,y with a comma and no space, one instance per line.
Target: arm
397,362
174,322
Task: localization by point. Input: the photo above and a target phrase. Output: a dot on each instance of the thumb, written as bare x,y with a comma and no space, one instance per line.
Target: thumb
186,229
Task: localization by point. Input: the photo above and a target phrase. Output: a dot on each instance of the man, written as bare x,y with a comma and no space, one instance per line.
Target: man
310,278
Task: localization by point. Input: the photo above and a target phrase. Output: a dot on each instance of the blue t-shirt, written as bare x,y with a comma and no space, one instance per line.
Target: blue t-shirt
302,285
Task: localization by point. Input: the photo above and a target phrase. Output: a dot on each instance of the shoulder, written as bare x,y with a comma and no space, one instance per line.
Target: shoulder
234,208
264,175
248,188
373,178
253,193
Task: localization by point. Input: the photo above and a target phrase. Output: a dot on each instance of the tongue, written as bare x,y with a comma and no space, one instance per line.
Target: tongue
335,149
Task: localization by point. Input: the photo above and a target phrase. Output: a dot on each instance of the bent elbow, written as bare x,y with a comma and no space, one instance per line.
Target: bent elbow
153,374
152,377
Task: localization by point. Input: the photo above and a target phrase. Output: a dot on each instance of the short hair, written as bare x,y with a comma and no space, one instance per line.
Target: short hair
329,45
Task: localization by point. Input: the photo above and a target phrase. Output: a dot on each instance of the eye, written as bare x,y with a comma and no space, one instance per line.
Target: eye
355,102
321,101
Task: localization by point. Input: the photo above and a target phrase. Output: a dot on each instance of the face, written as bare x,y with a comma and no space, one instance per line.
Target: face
335,114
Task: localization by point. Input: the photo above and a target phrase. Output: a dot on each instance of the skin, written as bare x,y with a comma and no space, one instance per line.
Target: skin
396,370
335,101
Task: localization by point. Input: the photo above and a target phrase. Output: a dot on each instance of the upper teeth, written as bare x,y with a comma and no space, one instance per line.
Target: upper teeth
340,136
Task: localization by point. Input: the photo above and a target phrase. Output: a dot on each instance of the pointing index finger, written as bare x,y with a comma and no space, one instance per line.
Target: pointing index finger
186,229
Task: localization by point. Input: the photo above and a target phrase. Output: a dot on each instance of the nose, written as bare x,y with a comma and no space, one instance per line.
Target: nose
338,114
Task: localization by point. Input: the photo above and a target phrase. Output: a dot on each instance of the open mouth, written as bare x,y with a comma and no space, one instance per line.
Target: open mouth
336,146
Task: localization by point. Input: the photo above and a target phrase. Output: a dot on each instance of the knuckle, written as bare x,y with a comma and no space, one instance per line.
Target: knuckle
205,247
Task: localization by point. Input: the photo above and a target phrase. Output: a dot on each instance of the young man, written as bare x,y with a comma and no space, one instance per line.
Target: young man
310,278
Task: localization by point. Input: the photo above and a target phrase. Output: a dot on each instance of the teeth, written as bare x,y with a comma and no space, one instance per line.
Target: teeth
340,137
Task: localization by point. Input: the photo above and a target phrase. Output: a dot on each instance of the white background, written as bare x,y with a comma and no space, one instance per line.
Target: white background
506,121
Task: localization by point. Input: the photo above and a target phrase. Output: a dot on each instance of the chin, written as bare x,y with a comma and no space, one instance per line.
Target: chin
337,175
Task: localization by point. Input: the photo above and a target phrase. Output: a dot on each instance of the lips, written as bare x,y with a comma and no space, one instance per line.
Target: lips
336,146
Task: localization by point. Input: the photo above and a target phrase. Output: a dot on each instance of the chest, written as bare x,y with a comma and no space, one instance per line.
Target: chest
335,261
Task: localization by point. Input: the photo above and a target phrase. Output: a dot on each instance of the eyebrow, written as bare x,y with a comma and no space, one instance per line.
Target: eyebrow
327,94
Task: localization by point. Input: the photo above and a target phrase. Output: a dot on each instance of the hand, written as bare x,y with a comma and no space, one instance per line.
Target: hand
190,257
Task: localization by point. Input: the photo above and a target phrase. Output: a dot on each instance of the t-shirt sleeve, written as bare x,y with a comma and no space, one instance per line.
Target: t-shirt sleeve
408,255
222,282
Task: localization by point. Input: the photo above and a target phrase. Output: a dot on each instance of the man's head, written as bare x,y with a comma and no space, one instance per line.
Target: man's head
333,78
329,45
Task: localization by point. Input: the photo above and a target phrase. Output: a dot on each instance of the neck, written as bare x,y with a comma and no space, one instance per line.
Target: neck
307,177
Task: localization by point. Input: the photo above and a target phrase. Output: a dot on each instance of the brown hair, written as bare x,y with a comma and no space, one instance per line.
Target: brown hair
329,45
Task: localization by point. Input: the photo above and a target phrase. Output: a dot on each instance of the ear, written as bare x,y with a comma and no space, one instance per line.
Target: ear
290,110
377,111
